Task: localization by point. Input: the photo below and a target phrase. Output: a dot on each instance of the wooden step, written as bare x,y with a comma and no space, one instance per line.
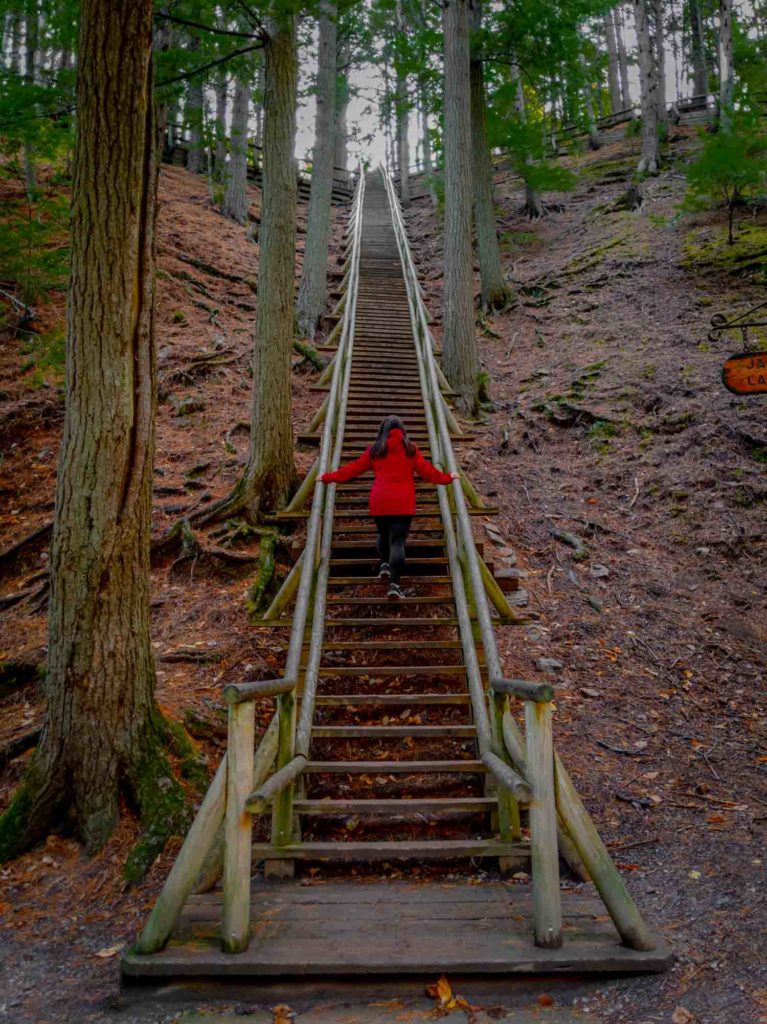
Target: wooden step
391,670
342,581
394,767
389,623
404,849
391,699
375,732
405,806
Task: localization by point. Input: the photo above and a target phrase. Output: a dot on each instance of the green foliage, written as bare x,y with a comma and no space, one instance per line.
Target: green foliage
731,168
46,355
33,249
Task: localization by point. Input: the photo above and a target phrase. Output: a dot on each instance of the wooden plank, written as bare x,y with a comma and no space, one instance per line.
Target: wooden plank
358,929
392,731
403,806
394,767
403,849
387,699
379,671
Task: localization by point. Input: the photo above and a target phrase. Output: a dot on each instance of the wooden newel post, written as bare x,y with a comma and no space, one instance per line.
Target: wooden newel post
238,828
547,903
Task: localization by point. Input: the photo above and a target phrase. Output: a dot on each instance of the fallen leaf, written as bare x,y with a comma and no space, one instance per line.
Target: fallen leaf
681,1015
695,875
282,1014
545,1000
588,692
109,951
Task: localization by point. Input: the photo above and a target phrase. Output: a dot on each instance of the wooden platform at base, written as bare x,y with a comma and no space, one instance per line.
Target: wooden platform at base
353,929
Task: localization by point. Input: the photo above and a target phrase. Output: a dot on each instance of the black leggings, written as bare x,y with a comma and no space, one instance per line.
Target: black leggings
392,534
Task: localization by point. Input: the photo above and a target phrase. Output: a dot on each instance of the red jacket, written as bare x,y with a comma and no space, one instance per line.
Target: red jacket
393,490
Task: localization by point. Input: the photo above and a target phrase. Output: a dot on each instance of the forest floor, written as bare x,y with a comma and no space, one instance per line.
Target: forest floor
610,424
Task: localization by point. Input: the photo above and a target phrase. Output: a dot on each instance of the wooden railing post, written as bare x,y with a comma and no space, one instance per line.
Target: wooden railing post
282,807
547,903
238,827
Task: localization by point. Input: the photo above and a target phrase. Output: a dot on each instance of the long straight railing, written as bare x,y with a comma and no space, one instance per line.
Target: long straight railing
232,799
553,795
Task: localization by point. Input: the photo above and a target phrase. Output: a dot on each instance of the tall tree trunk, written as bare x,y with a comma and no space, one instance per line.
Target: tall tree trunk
613,73
660,59
623,64
270,473
341,131
697,49
493,288
221,90
235,204
14,60
533,205
314,275
460,359
428,167
193,115
726,68
103,735
650,158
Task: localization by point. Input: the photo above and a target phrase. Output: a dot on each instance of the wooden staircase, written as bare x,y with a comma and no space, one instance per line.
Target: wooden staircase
395,736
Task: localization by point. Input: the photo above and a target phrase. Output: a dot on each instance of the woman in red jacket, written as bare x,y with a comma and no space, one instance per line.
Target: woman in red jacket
394,460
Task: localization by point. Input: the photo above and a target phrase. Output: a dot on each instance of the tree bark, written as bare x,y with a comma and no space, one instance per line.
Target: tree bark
258,100
623,64
312,291
103,734
193,115
660,59
492,286
221,91
698,50
650,158
269,476
613,72
235,204
460,359
726,68
588,102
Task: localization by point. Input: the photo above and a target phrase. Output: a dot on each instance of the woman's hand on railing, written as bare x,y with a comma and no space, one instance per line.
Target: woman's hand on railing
456,476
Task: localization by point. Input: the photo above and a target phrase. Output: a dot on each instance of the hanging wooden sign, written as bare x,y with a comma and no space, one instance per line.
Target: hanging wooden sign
746,373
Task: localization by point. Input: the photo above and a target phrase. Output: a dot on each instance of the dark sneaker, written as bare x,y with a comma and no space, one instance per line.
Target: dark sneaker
384,572
395,593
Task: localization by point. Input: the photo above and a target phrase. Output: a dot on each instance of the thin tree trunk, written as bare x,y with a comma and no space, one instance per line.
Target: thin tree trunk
340,131
493,288
650,158
726,69
270,474
403,121
428,167
533,206
103,734
221,90
698,50
660,59
14,62
623,64
613,73
460,359
588,102
258,100
235,204
314,276
194,118
30,50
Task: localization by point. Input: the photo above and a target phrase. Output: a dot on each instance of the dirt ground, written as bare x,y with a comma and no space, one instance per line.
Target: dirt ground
611,426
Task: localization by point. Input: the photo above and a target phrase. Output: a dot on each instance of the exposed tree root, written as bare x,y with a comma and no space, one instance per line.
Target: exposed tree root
14,748
38,534
25,669
257,592
310,354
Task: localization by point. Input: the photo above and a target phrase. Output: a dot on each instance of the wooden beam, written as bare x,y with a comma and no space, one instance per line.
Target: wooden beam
238,828
547,901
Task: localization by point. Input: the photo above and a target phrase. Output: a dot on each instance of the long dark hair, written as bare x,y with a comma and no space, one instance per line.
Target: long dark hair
380,447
